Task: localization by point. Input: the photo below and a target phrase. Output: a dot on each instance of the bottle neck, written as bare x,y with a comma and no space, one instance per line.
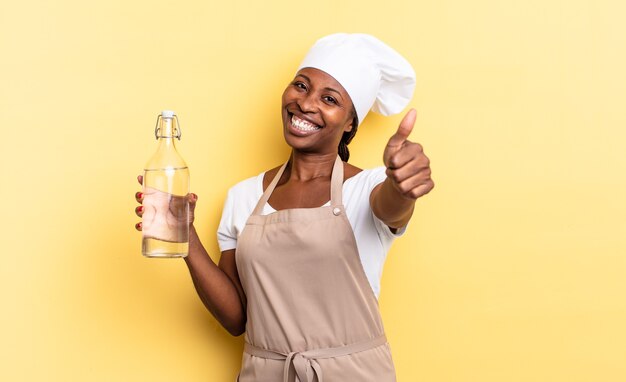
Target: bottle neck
167,132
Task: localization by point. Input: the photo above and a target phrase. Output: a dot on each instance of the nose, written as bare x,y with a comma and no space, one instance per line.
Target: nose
307,103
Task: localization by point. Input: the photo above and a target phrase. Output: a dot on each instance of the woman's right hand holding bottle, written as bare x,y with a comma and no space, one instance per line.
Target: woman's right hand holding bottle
162,213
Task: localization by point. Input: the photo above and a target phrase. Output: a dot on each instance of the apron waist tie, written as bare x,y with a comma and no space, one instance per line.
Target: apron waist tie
303,366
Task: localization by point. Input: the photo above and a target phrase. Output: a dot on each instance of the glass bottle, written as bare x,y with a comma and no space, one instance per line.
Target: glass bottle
165,219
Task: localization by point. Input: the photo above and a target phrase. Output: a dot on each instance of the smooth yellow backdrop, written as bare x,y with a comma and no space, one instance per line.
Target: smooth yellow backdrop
512,269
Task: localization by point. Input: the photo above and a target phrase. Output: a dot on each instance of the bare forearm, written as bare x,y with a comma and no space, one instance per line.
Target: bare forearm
390,206
214,287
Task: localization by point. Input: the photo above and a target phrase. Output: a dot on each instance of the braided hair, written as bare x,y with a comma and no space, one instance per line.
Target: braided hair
347,136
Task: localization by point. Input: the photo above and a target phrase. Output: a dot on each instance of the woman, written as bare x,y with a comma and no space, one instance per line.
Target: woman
303,244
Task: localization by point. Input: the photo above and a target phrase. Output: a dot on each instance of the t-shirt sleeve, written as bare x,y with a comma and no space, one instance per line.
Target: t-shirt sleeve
226,231
375,177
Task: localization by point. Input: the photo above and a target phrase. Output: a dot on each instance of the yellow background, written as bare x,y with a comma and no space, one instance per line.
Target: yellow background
513,268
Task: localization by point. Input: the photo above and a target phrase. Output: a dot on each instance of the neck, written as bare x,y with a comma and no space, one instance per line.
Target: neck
304,167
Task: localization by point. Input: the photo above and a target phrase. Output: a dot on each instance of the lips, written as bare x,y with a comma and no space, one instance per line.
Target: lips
302,127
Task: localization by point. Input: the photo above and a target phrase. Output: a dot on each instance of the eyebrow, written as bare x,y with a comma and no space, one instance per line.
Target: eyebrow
326,88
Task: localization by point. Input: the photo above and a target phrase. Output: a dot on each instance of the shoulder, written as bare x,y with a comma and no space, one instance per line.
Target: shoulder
358,188
267,176
368,177
350,171
246,187
241,199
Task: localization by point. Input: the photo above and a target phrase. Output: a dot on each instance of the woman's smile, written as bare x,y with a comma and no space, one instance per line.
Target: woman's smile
302,127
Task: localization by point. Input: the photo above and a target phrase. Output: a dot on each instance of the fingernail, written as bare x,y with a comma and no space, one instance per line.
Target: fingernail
139,209
138,225
139,195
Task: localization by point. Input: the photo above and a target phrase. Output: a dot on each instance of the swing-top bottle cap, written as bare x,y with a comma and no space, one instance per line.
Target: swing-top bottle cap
167,114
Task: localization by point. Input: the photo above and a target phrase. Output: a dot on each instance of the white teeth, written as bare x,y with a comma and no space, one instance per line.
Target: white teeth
303,125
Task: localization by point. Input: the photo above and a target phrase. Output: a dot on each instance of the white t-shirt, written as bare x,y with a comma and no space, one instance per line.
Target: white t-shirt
373,237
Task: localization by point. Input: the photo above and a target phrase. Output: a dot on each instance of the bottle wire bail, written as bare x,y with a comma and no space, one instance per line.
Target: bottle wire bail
177,130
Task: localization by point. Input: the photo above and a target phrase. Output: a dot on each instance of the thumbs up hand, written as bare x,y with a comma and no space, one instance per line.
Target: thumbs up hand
408,168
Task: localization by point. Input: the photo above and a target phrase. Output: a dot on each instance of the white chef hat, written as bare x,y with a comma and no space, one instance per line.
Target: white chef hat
375,76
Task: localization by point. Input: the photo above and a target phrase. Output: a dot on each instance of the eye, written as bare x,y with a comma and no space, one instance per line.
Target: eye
330,99
299,85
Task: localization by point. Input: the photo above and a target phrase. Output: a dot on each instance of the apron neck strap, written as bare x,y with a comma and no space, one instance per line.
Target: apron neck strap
336,185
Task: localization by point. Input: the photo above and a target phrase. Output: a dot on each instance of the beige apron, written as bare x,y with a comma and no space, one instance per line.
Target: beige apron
311,313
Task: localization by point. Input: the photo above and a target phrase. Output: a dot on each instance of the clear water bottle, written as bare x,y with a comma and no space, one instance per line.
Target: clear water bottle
165,219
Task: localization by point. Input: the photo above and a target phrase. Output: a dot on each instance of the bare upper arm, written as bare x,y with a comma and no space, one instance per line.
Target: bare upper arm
228,264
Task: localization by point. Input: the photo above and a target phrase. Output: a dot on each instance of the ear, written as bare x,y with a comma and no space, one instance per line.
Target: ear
349,125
